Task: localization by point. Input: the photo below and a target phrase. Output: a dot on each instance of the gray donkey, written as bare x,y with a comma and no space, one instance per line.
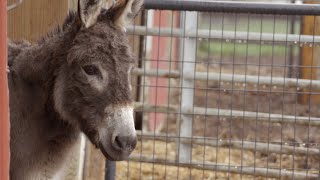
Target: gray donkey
76,79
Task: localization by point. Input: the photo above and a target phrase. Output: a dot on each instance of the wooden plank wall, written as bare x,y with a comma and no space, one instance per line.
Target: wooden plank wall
33,18
309,56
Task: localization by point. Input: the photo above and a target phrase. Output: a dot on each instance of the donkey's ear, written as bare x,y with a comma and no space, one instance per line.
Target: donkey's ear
124,11
89,10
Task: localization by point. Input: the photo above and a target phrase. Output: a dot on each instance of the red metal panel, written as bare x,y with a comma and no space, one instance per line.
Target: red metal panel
4,99
160,54
158,96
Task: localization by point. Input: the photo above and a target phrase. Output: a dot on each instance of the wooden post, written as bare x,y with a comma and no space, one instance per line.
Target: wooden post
4,96
309,56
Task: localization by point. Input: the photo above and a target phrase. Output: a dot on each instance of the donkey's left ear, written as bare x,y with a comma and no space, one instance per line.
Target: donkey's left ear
124,11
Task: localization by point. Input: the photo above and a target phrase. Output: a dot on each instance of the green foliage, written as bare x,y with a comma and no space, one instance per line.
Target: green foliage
229,49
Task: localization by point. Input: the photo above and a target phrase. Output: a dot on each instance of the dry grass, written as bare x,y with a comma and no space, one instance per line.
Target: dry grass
137,170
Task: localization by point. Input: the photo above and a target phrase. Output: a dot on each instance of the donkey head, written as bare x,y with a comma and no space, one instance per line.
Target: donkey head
92,90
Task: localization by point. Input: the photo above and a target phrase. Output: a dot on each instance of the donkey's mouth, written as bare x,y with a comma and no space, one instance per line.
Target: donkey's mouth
104,152
113,156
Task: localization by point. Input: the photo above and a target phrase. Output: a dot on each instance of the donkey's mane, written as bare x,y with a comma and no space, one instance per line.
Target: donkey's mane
71,24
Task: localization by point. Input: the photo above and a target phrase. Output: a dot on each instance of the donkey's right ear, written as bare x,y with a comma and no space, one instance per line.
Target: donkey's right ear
89,10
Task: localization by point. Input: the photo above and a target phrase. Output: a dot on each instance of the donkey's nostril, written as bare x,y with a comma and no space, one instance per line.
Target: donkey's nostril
127,143
118,143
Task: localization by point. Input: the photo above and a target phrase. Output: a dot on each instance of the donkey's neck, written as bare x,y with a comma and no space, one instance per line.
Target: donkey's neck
33,74
37,66
37,130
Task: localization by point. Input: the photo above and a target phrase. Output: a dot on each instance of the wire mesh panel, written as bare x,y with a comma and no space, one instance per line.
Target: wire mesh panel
226,93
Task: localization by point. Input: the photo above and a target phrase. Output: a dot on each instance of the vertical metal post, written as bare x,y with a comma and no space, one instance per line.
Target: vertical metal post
188,54
4,96
111,167
82,152
291,46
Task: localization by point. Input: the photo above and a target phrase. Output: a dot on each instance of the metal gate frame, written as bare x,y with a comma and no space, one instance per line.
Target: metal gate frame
187,78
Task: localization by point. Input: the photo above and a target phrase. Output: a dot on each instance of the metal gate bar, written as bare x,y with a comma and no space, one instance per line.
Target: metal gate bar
246,145
256,171
259,116
252,37
233,78
233,7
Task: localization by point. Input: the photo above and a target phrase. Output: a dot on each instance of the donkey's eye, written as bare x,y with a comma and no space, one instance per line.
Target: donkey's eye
91,70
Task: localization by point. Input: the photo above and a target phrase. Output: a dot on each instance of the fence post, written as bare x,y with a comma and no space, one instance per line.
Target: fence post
4,99
309,56
188,59
111,169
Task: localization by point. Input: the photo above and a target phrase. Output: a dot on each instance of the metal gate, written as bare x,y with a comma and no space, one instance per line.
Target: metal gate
226,90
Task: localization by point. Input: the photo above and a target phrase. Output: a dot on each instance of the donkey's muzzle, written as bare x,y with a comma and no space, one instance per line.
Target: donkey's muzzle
119,139
124,144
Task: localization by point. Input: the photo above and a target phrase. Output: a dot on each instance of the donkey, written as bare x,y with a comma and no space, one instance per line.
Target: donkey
75,79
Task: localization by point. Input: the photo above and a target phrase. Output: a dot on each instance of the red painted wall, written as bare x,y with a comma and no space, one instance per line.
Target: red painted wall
4,99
